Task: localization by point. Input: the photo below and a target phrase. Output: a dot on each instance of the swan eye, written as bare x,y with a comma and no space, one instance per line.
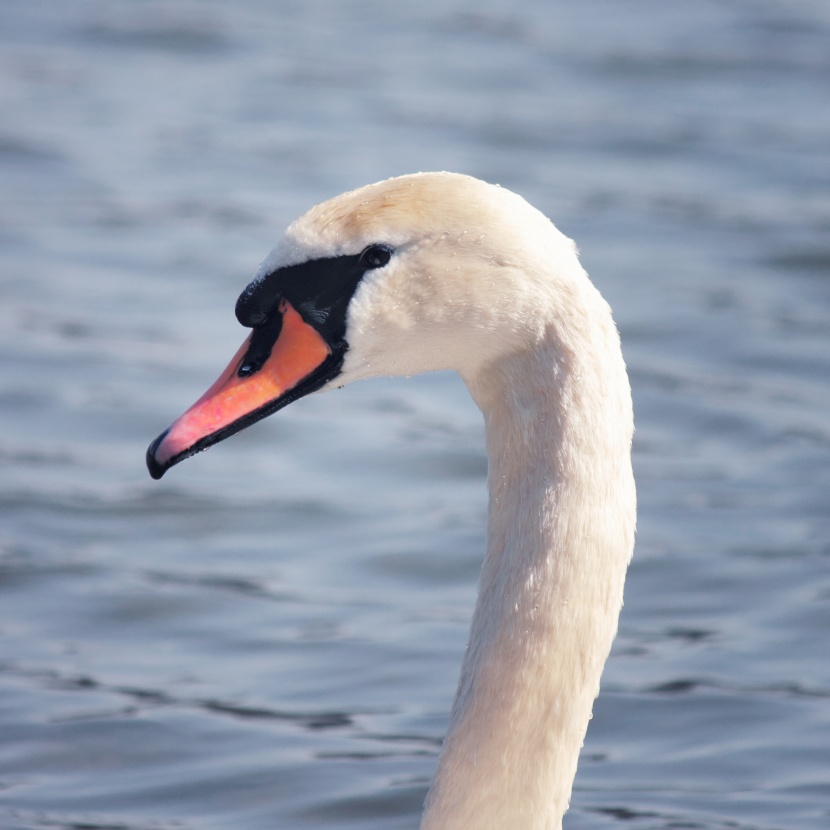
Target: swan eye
375,256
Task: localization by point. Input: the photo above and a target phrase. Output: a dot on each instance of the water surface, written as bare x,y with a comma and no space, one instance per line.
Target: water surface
271,636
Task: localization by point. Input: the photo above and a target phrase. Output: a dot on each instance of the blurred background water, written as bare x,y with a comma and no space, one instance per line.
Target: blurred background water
271,636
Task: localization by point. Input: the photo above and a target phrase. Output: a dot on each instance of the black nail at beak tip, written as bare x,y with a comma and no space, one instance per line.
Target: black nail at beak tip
155,469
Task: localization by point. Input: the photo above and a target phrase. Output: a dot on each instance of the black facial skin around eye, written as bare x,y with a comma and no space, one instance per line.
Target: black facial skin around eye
320,290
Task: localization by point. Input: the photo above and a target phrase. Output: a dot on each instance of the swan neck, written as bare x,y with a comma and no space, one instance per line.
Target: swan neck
559,538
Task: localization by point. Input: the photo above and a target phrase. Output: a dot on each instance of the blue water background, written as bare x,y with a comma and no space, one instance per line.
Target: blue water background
271,636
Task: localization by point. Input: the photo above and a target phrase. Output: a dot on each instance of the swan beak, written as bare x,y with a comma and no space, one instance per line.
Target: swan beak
257,382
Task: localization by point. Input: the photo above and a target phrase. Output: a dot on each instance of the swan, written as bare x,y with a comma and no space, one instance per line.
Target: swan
443,271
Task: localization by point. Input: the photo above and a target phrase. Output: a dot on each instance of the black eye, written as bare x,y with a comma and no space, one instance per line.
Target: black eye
375,256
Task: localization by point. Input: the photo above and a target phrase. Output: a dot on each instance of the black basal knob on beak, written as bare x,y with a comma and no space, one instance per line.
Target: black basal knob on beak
256,304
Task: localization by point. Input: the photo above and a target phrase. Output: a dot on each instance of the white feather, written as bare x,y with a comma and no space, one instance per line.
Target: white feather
483,283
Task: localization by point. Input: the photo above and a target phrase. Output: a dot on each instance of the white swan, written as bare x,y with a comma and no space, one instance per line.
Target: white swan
436,271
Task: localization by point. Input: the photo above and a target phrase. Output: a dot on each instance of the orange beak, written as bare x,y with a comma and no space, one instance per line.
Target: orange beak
300,362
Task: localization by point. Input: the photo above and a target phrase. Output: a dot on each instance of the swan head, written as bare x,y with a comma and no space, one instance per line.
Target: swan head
418,273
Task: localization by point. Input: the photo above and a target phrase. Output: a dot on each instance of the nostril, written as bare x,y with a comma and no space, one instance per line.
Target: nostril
261,343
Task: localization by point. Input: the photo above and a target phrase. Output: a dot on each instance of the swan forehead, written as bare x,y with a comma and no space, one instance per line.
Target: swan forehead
396,212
